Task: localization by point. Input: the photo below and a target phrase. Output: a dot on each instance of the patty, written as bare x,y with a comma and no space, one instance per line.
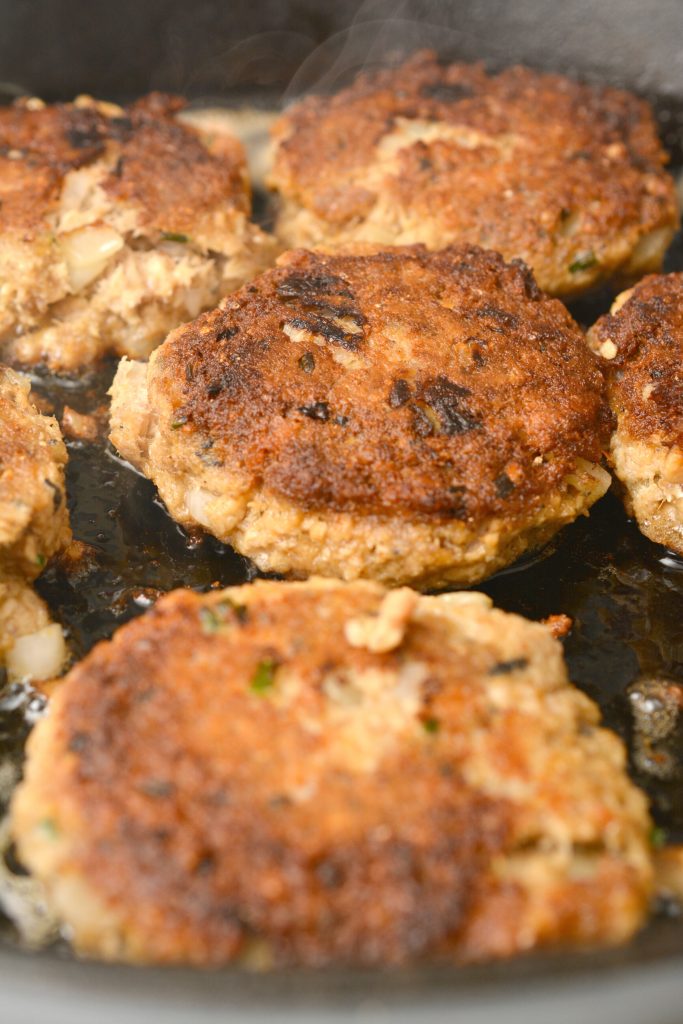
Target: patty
34,519
641,343
568,177
323,772
402,415
116,224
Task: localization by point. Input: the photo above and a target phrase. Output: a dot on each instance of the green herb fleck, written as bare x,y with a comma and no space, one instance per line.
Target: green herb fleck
209,621
227,605
583,262
214,617
264,677
178,422
658,837
307,362
174,236
49,828
431,725
41,560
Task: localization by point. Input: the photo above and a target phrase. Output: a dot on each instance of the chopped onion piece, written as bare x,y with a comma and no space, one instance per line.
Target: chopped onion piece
87,252
38,655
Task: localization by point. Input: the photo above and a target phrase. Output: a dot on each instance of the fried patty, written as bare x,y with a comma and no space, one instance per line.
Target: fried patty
325,772
641,342
34,520
403,415
568,177
116,224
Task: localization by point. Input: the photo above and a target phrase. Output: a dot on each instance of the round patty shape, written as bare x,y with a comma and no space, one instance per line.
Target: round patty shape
641,342
115,225
325,772
568,177
400,415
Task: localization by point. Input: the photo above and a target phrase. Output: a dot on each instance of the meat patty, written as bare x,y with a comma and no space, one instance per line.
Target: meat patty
568,177
34,520
641,342
325,772
400,415
115,225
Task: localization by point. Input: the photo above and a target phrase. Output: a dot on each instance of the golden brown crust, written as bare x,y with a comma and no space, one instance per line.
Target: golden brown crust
325,769
34,520
158,163
438,385
643,342
567,176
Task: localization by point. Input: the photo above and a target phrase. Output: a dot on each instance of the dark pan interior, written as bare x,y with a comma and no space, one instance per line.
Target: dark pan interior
624,594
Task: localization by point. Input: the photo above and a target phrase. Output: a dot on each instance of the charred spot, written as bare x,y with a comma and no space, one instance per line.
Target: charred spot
341,421
447,92
502,668
326,308
316,411
332,332
84,130
656,373
399,393
447,399
505,320
120,128
117,169
531,289
56,494
307,362
457,507
226,333
503,485
214,389
307,286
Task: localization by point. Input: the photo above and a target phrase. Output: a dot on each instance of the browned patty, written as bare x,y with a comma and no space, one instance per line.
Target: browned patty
161,164
466,391
324,772
567,176
116,224
404,388
641,342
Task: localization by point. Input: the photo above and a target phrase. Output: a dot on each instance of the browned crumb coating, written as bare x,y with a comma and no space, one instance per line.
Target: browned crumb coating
570,177
315,773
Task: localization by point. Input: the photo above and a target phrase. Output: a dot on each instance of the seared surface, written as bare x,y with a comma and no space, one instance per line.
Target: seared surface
430,384
567,176
641,342
321,772
115,225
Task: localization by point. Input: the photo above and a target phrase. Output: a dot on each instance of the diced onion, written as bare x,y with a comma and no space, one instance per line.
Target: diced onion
38,655
87,252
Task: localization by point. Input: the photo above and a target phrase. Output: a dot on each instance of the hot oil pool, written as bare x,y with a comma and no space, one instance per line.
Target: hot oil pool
623,594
